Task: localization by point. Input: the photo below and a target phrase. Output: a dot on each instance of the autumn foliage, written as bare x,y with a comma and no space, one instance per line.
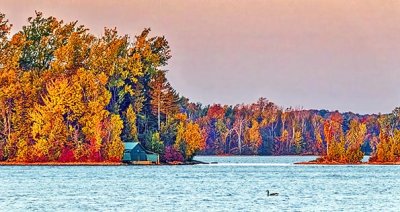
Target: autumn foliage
65,95
69,96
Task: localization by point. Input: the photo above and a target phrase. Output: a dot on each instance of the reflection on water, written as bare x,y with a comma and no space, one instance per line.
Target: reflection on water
233,184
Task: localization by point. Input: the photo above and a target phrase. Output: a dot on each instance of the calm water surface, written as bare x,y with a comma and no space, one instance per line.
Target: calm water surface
234,184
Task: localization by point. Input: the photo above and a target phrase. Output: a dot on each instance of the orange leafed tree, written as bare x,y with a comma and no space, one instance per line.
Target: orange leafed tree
334,138
164,99
254,141
189,138
354,139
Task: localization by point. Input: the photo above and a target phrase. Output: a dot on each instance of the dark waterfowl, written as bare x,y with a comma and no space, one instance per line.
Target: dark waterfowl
272,194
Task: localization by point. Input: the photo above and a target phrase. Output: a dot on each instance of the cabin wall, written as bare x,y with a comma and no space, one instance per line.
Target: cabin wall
153,158
138,154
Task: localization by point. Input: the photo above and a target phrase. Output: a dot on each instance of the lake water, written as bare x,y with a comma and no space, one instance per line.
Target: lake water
234,184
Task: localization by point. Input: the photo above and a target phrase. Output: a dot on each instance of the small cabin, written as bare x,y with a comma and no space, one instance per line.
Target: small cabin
135,153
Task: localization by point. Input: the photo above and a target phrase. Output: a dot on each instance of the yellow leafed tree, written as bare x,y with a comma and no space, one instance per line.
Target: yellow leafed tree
255,139
49,130
189,138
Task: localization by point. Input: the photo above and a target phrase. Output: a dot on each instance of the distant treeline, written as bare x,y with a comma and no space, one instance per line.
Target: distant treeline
67,95
266,129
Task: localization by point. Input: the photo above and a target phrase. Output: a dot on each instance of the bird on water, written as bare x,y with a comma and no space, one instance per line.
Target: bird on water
272,194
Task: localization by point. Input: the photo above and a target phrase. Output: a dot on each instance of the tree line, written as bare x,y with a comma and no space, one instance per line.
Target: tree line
67,95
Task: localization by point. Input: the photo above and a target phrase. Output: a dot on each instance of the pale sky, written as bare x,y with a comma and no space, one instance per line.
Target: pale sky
315,54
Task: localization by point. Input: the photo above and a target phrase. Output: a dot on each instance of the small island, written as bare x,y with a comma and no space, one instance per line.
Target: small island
345,148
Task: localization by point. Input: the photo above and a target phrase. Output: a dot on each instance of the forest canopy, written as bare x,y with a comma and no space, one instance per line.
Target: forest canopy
67,96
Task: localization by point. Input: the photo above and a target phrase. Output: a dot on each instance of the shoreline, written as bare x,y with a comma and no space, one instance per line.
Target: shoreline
193,162
177,163
226,155
344,164
62,164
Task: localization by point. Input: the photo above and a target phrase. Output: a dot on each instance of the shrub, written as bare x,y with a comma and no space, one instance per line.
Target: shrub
171,154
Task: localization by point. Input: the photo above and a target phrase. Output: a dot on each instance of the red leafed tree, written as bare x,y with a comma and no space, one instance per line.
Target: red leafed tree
216,112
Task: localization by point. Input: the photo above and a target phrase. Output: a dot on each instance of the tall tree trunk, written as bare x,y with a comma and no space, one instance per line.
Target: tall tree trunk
158,111
240,138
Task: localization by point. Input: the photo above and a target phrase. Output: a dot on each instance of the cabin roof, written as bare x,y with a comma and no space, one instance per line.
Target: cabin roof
140,155
130,145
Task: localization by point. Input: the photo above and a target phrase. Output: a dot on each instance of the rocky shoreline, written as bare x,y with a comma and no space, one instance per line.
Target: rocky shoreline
193,162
